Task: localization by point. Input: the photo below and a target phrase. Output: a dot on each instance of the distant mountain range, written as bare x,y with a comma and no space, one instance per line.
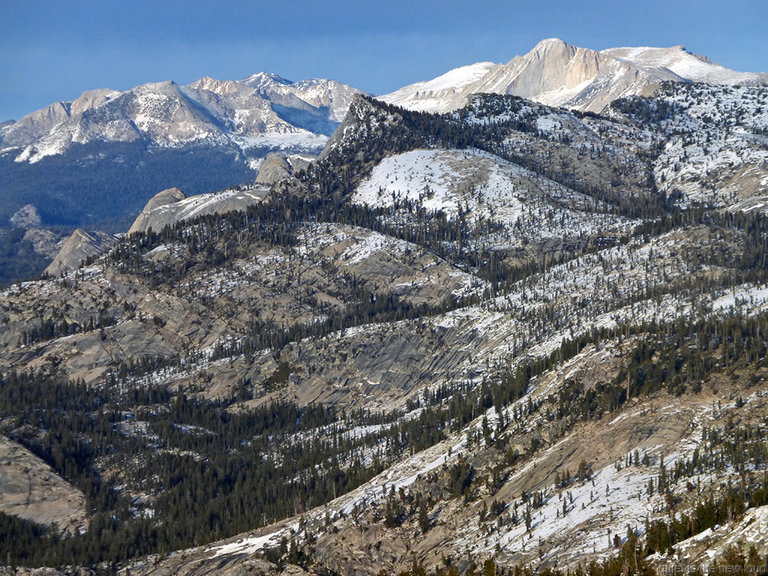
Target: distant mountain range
95,161
100,157
559,74
261,111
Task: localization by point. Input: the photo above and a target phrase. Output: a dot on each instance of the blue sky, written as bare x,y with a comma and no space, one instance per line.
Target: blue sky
54,50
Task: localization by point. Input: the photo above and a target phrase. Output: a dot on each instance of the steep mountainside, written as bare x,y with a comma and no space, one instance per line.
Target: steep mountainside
713,142
558,74
500,339
77,248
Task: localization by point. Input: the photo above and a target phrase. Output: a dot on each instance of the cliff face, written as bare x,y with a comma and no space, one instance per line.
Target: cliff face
151,213
558,74
77,248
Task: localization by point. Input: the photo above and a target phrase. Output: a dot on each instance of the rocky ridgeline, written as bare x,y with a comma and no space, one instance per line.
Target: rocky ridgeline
559,74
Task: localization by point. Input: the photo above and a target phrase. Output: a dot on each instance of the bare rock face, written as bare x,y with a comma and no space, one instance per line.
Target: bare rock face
26,217
559,74
172,206
44,241
31,490
161,199
77,248
274,169
36,125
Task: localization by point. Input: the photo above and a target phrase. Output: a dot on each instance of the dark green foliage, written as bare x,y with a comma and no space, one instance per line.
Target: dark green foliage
708,513
395,511
207,466
20,538
646,110
461,476
424,522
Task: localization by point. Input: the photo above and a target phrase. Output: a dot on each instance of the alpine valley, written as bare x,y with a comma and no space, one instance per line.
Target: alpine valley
511,320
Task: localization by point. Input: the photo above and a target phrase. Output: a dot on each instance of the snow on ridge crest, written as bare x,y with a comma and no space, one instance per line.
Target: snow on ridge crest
211,111
560,74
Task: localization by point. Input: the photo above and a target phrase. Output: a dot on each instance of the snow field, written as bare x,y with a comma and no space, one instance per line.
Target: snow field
481,185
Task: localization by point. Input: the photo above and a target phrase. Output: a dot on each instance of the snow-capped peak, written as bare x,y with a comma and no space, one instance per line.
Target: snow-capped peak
688,66
264,80
550,43
559,74
459,76
262,111
216,86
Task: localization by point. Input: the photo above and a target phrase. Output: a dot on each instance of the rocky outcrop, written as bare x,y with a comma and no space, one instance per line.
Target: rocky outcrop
77,248
30,489
171,206
149,214
274,169
44,241
26,217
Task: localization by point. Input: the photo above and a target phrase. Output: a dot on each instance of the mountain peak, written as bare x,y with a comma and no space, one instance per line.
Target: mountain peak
559,74
550,43
92,98
553,46
421,95
162,87
684,64
263,80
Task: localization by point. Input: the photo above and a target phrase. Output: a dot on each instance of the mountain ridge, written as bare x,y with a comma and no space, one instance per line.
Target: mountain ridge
68,122
559,74
203,137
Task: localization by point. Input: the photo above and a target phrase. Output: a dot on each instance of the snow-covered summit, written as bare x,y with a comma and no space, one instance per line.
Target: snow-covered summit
421,96
245,113
559,74
264,80
688,66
